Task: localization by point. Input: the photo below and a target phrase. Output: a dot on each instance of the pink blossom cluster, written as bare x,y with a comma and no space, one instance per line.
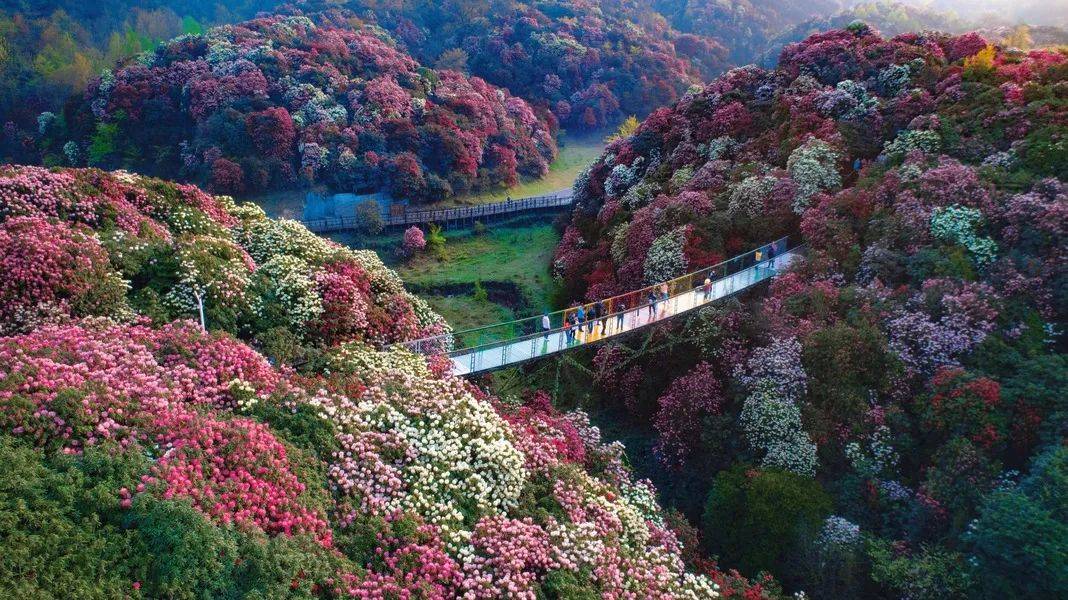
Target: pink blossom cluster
510,556
405,568
301,99
681,409
77,385
545,437
345,290
49,269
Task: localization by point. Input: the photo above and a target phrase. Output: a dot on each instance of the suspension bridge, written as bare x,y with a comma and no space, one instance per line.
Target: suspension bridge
502,345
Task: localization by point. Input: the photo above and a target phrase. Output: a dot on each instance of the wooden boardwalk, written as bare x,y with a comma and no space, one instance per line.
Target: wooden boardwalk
448,216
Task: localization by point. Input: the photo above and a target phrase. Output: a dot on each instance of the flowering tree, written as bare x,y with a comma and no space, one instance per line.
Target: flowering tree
253,105
414,241
814,166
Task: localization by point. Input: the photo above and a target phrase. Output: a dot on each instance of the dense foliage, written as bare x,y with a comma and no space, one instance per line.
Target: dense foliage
51,49
87,243
146,457
889,412
590,63
278,100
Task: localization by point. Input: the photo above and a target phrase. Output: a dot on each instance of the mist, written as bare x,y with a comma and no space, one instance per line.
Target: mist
1001,12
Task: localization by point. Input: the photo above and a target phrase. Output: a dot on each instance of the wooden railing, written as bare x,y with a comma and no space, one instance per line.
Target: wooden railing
447,216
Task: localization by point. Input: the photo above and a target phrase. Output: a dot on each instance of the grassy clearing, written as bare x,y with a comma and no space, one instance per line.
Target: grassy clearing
576,153
464,312
517,255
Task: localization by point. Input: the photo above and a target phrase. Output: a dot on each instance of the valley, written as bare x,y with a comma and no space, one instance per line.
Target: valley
203,397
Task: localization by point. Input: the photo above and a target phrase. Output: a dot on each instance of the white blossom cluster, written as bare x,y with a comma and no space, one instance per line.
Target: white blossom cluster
665,259
913,139
958,224
814,167
772,425
771,418
747,197
287,280
451,452
877,457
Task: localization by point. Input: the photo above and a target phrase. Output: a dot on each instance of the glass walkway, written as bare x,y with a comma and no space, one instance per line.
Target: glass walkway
502,345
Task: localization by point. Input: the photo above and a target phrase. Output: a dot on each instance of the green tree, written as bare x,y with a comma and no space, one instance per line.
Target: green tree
626,129
1020,540
369,214
754,520
103,143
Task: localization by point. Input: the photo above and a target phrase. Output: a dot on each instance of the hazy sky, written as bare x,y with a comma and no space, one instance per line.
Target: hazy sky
1036,12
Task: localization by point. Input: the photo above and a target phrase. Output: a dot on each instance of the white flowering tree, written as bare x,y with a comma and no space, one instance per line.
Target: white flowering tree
814,167
665,259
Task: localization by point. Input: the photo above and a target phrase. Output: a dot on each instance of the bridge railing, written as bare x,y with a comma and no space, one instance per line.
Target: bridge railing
446,215
489,336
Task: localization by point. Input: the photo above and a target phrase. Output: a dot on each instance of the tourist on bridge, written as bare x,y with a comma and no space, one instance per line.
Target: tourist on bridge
602,314
546,324
652,304
706,287
569,333
621,310
580,318
591,316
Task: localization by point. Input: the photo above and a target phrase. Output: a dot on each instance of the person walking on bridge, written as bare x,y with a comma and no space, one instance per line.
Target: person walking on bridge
546,324
602,314
706,287
580,318
621,311
652,304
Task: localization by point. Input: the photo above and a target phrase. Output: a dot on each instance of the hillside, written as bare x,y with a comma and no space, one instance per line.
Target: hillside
51,49
146,457
893,411
590,63
277,101
889,17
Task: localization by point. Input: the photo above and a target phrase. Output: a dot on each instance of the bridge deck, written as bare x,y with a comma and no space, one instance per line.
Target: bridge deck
445,216
488,358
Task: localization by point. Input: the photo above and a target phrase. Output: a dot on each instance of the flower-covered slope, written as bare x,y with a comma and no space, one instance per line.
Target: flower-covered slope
82,242
590,63
278,100
147,457
875,410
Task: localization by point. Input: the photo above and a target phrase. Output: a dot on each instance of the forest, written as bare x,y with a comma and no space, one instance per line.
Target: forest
202,398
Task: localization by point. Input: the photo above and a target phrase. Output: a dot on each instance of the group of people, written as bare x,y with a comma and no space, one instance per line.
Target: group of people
655,297
584,318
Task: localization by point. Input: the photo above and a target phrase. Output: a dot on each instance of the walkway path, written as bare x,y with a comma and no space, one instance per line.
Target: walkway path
520,341
447,216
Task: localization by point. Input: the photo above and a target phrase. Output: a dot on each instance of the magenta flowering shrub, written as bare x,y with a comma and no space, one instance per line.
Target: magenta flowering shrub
414,241
922,174
681,409
278,100
84,242
52,270
65,388
236,471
